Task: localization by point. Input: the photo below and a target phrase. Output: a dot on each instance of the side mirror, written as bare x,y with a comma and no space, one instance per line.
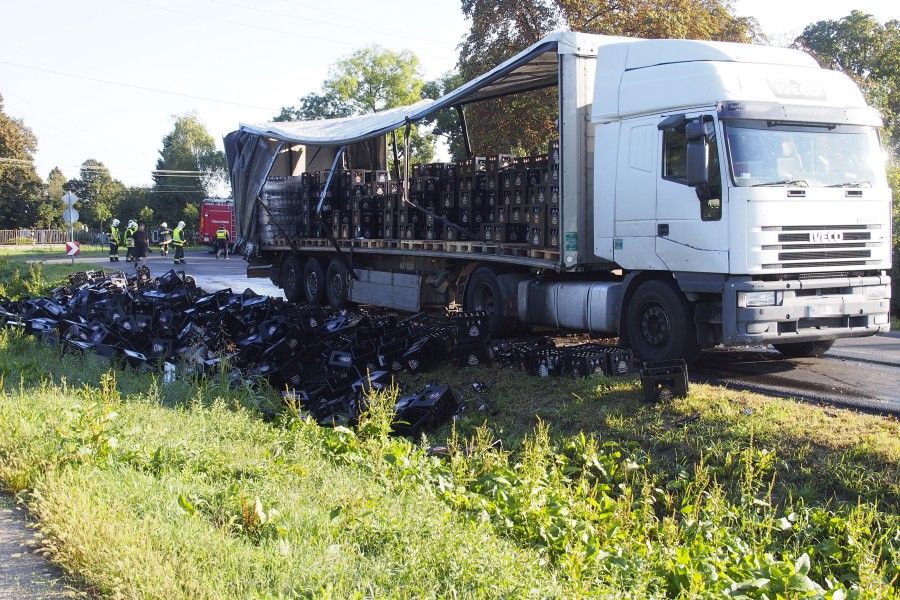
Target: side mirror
697,153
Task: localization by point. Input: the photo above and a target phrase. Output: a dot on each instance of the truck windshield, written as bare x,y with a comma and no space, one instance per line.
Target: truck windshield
769,153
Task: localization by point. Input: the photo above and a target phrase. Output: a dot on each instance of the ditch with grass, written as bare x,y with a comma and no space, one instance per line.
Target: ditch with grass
541,488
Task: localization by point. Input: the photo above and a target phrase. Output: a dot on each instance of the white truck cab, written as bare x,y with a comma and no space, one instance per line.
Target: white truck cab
753,176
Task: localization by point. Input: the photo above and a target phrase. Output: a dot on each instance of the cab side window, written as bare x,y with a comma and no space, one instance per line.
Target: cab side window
674,168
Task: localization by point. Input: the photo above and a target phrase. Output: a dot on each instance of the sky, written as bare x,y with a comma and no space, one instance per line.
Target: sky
104,79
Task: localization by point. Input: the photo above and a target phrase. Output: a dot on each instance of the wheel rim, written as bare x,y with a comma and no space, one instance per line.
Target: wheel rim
337,286
312,284
484,299
655,326
290,279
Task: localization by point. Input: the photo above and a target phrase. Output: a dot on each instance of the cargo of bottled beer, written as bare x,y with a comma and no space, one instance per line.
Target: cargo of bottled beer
499,199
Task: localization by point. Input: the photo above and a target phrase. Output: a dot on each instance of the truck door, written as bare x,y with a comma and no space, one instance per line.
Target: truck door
691,233
635,196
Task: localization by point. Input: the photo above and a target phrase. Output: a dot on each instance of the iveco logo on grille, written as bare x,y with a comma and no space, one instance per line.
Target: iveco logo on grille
826,236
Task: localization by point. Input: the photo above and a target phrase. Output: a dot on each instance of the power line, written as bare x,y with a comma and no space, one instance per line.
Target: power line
133,86
394,31
304,35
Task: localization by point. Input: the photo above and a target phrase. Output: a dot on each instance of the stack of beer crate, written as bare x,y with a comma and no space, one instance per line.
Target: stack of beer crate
498,199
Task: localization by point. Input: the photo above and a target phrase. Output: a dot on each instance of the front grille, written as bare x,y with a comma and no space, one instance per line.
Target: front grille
824,254
812,246
849,236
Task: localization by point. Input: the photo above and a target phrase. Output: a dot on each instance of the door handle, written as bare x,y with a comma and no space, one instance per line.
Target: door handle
662,230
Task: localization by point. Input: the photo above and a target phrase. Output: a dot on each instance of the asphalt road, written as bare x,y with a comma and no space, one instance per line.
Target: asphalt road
862,373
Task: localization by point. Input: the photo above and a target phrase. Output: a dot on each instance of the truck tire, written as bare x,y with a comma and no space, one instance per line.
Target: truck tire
484,293
291,278
659,324
337,284
313,281
804,349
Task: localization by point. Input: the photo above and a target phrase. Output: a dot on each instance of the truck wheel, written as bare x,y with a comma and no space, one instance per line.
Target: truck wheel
337,284
313,281
291,278
659,324
484,293
804,349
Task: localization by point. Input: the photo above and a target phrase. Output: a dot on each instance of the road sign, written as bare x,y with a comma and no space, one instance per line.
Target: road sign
72,248
69,199
70,215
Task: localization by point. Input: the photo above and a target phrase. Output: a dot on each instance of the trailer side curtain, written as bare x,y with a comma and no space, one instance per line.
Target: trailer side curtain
250,157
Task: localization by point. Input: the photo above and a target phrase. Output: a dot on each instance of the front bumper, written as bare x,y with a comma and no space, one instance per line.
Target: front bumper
805,310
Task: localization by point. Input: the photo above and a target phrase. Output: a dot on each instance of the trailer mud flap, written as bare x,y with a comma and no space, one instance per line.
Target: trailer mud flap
402,291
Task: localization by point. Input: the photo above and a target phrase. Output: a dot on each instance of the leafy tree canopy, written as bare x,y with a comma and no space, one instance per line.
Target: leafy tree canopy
99,194
867,51
368,80
21,188
501,28
189,164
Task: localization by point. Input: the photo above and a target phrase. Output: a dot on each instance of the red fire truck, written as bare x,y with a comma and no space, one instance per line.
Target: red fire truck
215,212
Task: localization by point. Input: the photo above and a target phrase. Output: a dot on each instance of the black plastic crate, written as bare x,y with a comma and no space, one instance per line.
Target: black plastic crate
417,413
471,326
664,380
546,362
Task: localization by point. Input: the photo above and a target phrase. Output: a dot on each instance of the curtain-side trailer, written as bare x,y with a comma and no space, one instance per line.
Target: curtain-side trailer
709,193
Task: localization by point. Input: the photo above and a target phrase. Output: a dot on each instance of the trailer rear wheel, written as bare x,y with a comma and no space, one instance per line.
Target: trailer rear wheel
659,324
804,349
337,284
291,278
313,281
484,293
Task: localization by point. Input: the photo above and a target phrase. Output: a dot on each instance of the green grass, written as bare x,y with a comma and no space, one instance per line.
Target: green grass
545,488
49,251
895,323
20,279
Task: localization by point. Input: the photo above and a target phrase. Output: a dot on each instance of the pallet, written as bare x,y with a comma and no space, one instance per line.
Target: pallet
449,247
544,254
412,244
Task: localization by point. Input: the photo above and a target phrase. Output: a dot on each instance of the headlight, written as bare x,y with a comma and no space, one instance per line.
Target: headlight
875,292
759,298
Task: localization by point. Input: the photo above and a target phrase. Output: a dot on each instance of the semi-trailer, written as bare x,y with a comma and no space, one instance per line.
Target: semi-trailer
707,193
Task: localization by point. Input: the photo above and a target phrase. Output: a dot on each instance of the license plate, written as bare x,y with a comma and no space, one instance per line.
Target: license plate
823,311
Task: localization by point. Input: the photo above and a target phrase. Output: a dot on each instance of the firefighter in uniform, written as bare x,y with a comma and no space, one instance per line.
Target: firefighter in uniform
113,239
165,238
129,240
178,242
222,238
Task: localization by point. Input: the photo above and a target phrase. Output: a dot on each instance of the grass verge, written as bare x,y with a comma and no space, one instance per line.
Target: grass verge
546,488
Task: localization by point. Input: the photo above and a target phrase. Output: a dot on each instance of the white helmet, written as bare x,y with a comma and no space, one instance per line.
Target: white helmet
163,224
115,222
181,223
132,223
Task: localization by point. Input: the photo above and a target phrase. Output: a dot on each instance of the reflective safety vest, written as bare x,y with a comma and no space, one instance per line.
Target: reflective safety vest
176,237
222,234
129,240
113,234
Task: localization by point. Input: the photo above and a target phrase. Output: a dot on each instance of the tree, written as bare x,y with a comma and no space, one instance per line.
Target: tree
446,123
368,80
869,53
189,164
99,194
501,28
326,105
21,188
50,212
